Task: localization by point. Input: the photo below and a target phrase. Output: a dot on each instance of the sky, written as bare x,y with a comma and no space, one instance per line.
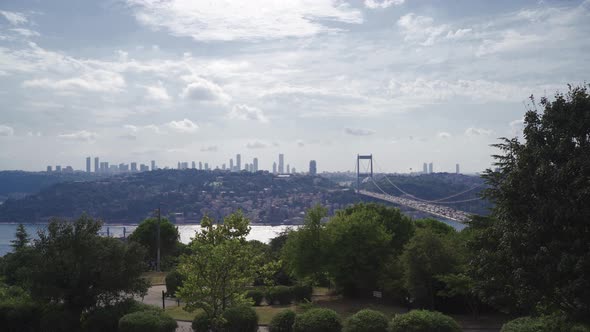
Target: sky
409,81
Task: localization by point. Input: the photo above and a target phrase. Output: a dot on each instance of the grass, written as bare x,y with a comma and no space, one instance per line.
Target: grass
265,313
155,278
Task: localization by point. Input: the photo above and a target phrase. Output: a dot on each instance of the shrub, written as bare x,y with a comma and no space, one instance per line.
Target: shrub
173,281
282,322
280,295
552,323
147,321
302,292
19,315
240,319
366,321
524,324
56,318
256,295
318,320
423,321
107,318
202,322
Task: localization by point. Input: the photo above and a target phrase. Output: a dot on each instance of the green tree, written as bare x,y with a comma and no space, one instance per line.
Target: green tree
146,234
22,238
425,257
541,191
79,269
220,267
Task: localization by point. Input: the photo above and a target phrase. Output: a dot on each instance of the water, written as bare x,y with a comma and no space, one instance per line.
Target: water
260,233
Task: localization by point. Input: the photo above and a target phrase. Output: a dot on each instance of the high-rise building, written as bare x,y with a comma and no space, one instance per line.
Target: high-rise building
133,167
49,169
425,168
223,166
430,167
58,168
231,164
144,168
239,162
200,165
153,165
96,165
313,169
457,171
288,169
206,166
274,167
88,163
255,163
193,165
281,163
293,170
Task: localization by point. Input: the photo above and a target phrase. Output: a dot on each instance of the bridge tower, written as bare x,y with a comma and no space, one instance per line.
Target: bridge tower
358,168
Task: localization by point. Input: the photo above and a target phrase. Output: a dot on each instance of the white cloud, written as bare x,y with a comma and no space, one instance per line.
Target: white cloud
382,4
444,135
508,41
13,17
201,89
516,127
210,148
300,143
6,130
242,20
183,126
257,145
132,128
157,92
245,112
359,131
471,131
26,32
422,30
97,81
82,135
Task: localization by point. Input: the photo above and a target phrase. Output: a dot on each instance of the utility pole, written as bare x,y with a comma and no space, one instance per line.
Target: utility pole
158,240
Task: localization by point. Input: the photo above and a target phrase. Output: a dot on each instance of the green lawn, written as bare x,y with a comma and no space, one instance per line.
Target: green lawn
265,313
155,278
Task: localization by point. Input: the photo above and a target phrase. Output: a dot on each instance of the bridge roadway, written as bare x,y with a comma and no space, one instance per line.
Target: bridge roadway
437,210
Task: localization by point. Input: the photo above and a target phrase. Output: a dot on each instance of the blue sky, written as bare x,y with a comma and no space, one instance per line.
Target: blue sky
179,80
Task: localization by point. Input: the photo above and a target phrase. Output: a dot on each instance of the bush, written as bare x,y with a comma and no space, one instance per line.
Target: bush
173,281
524,324
201,323
147,321
280,295
107,318
256,295
366,321
552,323
302,292
282,322
318,320
423,321
19,315
240,319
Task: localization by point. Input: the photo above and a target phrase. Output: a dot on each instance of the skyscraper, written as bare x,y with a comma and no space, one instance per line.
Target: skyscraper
133,167
49,169
96,165
153,165
88,163
281,163
255,163
206,166
58,168
193,165
425,168
313,170
288,169
274,168
430,167
239,162
457,169
201,165
231,164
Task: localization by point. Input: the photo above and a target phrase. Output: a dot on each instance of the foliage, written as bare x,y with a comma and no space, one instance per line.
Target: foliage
318,320
423,321
106,318
240,319
302,292
459,285
147,321
436,226
56,318
21,238
280,295
146,234
174,280
425,257
78,268
256,296
282,322
366,321
539,247
219,268
201,322
19,314
555,322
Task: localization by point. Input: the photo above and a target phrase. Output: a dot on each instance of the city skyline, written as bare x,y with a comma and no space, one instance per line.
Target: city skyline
170,80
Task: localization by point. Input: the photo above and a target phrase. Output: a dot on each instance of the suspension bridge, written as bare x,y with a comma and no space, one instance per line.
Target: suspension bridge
438,207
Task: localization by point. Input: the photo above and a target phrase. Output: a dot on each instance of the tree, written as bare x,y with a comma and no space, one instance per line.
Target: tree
425,257
79,269
541,193
146,234
220,267
22,238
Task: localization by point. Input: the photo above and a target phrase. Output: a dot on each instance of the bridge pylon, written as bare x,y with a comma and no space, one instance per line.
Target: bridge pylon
358,168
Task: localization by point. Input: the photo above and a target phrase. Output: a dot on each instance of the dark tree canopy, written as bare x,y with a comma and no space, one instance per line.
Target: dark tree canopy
146,235
542,192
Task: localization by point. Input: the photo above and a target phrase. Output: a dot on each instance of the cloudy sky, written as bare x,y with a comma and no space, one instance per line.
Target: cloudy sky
180,80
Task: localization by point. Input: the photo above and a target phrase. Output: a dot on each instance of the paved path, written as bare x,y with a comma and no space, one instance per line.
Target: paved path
154,297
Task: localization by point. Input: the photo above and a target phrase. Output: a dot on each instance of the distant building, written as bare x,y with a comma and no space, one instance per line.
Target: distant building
239,162
49,169
288,169
425,168
134,167
88,164
457,171
193,165
313,169
281,163
430,168
231,164
206,166
293,170
144,168
58,168
223,166
274,167
96,165
255,163
201,165
153,165
68,169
